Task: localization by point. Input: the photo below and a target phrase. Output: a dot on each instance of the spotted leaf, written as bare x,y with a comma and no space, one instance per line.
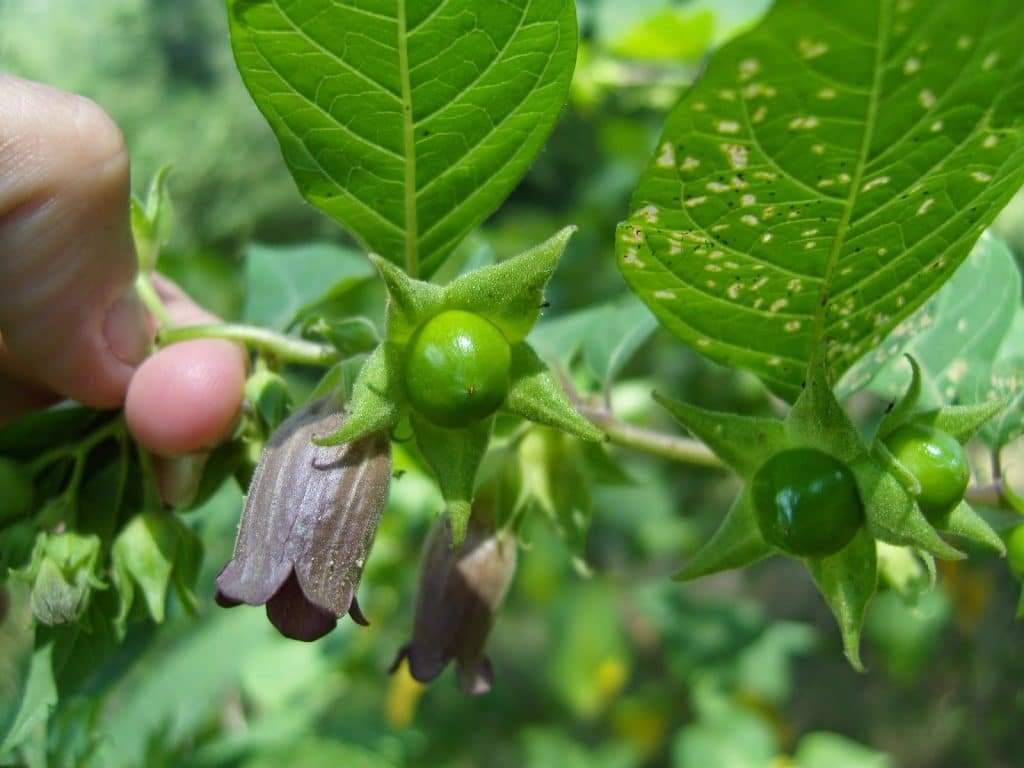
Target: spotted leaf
830,171
954,336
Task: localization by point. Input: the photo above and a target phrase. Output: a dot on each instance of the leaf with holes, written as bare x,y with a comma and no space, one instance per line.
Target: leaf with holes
830,171
408,121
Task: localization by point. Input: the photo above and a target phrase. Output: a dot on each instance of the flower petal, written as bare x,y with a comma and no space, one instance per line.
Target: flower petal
295,616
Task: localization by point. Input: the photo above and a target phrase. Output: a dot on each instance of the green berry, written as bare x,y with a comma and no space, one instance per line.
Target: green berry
15,490
807,502
457,369
938,463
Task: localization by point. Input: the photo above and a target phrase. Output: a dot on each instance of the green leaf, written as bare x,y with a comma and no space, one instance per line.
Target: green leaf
830,750
510,294
848,580
742,442
454,456
150,221
959,330
737,543
281,280
413,129
1003,381
38,701
555,477
615,336
375,396
830,171
350,336
536,395
671,35
152,552
964,521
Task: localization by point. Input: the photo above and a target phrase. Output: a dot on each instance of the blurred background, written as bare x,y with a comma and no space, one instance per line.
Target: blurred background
601,659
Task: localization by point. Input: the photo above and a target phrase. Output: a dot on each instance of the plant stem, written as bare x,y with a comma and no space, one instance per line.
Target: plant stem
78,450
277,345
152,300
682,449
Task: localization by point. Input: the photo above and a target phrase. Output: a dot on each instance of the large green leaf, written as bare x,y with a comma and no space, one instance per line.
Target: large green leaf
408,121
956,335
831,170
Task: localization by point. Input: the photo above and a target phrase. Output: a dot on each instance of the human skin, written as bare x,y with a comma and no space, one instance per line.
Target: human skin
71,323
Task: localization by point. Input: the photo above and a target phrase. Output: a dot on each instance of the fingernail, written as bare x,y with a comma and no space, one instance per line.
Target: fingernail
178,477
126,330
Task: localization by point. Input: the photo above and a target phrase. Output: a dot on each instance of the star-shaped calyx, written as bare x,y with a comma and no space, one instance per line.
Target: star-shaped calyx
813,452
454,356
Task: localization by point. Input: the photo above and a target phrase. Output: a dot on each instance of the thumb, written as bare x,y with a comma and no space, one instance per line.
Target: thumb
69,316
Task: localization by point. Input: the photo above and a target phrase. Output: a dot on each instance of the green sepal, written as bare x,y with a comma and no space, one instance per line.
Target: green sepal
1011,497
742,442
376,398
961,421
901,411
817,420
884,456
153,551
535,394
410,302
848,580
737,543
510,294
454,456
964,521
893,516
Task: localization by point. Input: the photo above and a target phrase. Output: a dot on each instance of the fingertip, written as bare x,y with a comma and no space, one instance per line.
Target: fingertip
186,396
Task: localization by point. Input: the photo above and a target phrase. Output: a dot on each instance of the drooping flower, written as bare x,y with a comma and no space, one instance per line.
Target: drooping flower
459,593
308,525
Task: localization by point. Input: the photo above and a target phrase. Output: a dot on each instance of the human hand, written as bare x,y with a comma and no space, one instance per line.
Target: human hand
71,323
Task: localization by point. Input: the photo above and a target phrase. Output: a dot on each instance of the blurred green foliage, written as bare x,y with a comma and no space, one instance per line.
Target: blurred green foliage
621,669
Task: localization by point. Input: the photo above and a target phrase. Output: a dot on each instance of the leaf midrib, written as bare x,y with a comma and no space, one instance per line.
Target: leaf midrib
858,175
412,256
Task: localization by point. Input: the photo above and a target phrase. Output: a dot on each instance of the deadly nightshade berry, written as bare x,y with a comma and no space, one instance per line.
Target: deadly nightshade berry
457,369
460,589
308,525
807,502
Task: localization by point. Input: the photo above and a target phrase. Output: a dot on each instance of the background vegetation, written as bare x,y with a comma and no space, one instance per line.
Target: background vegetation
610,664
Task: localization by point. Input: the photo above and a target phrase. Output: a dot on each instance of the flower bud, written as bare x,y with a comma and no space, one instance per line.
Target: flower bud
308,525
62,573
459,593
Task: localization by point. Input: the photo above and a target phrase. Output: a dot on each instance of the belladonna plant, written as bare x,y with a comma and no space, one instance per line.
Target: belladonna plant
460,590
308,525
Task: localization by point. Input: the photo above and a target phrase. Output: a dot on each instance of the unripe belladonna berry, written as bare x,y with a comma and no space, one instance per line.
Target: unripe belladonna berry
457,369
807,502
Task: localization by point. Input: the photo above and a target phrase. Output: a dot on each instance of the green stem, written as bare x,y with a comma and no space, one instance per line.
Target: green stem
277,345
79,450
682,449
152,300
